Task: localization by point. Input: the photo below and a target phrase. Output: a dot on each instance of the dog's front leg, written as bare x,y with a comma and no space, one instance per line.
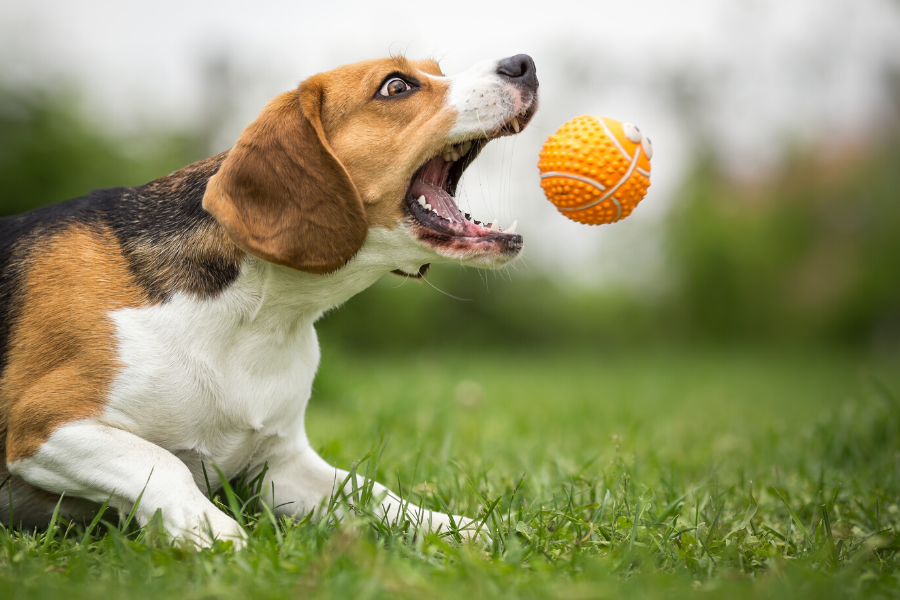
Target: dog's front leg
302,481
86,459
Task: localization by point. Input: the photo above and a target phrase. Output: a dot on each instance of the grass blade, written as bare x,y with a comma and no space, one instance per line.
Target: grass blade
206,478
745,521
712,529
795,518
95,521
830,537
634,523
51,529
230,497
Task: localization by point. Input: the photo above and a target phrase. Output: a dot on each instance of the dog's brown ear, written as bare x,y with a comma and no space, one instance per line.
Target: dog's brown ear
282,195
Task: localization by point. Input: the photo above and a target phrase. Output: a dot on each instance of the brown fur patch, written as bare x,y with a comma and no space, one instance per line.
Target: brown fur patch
283,196
382,143
62,349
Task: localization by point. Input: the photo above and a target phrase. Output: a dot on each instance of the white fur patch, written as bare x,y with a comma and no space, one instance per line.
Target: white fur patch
89,460
227,380
483,100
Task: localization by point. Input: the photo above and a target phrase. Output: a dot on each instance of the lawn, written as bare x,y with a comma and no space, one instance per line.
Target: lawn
670,473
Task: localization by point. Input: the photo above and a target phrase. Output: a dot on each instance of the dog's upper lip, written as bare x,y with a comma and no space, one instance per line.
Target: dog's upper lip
520,120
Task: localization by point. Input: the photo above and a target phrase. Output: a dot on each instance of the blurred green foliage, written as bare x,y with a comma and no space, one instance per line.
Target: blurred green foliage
50,151
808,253
488,309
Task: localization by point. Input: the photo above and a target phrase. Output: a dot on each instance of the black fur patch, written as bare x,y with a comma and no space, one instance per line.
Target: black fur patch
29,508
423,270
171,243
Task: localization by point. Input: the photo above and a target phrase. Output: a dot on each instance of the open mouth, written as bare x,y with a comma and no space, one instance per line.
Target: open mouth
432,204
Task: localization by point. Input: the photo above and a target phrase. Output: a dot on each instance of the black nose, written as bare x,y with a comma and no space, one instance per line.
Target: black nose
519,69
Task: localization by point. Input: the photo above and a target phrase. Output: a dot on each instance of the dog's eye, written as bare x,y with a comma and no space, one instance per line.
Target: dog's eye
394,86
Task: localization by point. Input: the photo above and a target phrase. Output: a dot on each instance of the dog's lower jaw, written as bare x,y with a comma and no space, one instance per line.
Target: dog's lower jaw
489,252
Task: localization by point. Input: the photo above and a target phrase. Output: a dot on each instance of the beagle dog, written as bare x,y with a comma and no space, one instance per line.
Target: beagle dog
147,331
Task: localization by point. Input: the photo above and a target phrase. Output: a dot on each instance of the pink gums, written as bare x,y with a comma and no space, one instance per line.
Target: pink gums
431,182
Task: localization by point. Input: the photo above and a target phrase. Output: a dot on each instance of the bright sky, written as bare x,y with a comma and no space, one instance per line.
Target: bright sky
752,74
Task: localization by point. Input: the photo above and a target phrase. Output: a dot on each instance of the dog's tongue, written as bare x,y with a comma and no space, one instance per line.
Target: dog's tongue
430,182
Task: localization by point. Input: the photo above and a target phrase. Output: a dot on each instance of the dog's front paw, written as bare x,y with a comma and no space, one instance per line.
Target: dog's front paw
468,529
206,526
472,529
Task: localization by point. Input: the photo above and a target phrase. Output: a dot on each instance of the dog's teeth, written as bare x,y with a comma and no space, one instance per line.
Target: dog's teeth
421,200
434,210
515,124
512,228
426,205
495,226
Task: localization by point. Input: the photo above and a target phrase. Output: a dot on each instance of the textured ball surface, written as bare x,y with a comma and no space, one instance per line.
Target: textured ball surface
596,169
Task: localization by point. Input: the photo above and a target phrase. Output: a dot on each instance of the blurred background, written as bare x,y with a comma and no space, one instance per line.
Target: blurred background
774,215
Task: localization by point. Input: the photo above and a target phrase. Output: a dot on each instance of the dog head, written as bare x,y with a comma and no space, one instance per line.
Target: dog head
376,144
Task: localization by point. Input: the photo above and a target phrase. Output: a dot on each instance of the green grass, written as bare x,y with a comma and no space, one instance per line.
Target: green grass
660,475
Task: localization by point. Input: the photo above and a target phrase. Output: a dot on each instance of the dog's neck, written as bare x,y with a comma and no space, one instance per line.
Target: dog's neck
274,296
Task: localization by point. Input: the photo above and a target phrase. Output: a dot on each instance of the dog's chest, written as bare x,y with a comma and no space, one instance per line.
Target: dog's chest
212,380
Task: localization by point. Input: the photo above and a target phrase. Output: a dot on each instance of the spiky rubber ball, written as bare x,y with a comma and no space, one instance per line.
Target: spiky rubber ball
596,169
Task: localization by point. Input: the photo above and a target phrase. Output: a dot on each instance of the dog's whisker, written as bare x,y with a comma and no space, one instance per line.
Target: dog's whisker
445,293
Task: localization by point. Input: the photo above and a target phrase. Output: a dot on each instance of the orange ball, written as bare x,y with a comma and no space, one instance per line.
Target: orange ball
596,169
